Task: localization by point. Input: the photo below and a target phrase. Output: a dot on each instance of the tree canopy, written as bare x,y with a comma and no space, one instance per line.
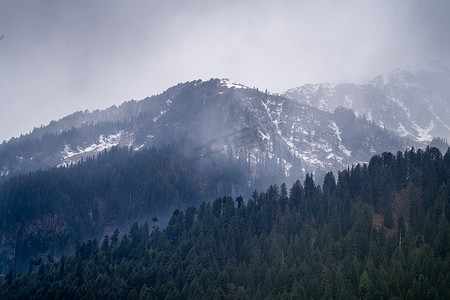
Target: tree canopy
376,231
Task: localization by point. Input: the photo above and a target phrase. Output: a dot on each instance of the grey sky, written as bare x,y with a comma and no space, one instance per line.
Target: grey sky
57,57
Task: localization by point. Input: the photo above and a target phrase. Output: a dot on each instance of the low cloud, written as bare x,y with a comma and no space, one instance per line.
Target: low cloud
59,57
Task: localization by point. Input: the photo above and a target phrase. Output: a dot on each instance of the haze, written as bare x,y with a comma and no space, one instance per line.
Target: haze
57,57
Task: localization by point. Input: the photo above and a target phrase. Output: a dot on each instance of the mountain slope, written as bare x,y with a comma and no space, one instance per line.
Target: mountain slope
215,137
413,102
222,118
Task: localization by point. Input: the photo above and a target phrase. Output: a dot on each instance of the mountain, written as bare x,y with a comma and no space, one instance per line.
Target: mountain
89,172
223,119
197,140
377,231
412,102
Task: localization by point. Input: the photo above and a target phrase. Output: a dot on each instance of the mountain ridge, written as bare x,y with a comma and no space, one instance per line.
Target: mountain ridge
204,110
413,102
222,137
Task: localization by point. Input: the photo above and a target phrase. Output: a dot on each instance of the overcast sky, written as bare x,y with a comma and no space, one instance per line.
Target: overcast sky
58,57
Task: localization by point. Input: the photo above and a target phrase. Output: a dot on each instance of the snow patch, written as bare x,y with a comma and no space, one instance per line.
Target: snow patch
4,172
139,148
348,101
227,83
402,130
67,152
344,150
287,168
105,142
338,135
401,105
424,133
264,136
336,130
102,144
160,115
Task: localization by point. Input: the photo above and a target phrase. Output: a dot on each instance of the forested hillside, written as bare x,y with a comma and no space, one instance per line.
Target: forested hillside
376,231
53,210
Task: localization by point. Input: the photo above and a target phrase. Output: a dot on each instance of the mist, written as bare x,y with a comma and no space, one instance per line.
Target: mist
57,57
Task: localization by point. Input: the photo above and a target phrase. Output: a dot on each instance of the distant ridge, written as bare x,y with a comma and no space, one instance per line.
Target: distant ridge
412,102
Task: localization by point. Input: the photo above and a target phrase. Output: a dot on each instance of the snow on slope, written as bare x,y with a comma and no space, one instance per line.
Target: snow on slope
227,83
103,143
413,102
293,137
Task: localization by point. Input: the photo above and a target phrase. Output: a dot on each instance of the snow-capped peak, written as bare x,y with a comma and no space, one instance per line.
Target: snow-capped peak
412,101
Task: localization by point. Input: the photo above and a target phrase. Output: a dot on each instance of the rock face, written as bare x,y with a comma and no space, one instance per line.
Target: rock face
412,102
221,118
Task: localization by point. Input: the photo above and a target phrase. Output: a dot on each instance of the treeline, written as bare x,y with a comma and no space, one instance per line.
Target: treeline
52,210
35,151
377,231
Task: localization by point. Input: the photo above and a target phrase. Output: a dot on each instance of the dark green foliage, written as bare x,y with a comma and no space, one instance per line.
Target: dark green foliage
316,243
53,210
